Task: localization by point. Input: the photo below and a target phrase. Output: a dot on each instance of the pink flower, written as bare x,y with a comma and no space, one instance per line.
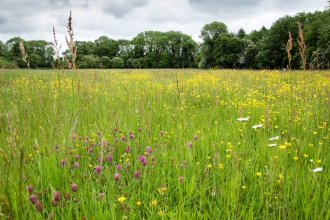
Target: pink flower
74,187
117,176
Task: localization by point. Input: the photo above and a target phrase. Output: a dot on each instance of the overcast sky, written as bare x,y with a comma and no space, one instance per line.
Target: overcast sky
124,19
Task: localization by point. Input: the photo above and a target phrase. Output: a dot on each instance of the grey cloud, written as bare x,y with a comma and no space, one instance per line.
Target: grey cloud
3,19
120,8
211,6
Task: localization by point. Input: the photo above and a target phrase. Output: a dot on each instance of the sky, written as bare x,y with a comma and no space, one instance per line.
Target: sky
124,19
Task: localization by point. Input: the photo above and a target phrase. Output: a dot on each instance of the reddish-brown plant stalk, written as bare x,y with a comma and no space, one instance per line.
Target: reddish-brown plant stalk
302,45
289,48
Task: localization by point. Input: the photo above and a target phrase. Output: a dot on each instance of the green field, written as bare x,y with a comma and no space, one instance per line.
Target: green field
164,144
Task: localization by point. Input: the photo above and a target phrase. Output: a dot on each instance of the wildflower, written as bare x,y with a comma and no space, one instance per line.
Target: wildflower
98,169
162,133
121,199
311,160
33,199
90,150
118,167
77,156
305,155
57,196
138,203
259,173
272,145
128,149
189,144
180,178
319,161
257,126
29,188
195,137
319,169
76,165
209,166
154,202
131,136
274,138
117,176
243,119
136,174
62,162
67,196
243,187
101,195
74,187
282,147
116,139
220,165
295,158
51,215
160,213
109,158
123,138
39,206
99,159
162,190
149,149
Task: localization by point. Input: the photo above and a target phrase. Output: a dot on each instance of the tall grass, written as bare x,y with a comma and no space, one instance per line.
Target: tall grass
164,144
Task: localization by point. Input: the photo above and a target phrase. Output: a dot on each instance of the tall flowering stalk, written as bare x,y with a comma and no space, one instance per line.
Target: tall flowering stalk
72,47
56,50
302,45
24,54
289,48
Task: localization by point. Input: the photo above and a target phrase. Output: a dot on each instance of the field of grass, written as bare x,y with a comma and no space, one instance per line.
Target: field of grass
164,144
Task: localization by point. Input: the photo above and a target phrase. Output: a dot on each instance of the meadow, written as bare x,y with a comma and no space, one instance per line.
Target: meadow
164,144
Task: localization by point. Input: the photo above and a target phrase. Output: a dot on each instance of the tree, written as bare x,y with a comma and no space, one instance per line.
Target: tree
241,33
209,34
105,46
226,50
117,62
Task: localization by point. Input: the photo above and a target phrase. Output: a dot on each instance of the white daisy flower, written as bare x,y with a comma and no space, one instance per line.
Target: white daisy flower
257,126
311,160
274,138
243,119
272,145
319,169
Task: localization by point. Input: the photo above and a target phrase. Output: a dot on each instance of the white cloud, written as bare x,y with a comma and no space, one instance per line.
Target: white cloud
124,19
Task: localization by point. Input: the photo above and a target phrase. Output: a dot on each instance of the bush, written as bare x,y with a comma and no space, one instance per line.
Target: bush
7,64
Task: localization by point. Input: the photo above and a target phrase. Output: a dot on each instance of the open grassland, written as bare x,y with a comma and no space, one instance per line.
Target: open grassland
164,144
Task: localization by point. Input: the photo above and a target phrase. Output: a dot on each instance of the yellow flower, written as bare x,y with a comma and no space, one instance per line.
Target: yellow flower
160,213
295,158
243,187
280,176
30,155
138,203
90,165
282,146
305,155
259,173
319,161
154,202
121,199
209,166
220,165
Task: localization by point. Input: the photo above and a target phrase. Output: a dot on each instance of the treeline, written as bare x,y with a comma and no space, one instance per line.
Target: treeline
264,48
